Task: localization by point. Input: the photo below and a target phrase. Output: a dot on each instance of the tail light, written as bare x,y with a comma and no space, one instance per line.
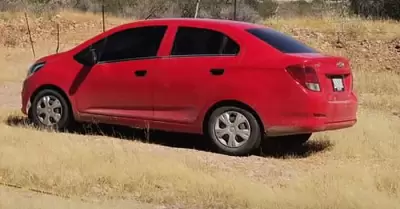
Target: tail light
306,76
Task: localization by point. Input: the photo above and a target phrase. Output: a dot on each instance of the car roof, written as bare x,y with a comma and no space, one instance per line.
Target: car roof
202,21
205,22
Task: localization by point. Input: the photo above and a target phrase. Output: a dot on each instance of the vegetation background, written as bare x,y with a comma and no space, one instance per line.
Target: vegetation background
353,168
249,10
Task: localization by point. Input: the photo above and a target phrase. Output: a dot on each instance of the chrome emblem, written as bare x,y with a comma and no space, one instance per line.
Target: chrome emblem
340,65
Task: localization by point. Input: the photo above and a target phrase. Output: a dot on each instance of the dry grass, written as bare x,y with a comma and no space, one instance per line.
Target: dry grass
11,198
360,170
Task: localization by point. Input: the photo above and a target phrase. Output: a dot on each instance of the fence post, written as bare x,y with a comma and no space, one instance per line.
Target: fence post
102,15
30,35
58,38
234,9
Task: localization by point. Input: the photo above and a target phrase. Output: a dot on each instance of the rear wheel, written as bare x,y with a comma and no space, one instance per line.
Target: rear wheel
234,131
50,110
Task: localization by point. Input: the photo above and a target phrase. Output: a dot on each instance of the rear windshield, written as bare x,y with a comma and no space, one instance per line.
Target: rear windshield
281,41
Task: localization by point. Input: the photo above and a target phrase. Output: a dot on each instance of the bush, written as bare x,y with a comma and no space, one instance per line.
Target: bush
376,8
266,8
392,8
248,10
140,8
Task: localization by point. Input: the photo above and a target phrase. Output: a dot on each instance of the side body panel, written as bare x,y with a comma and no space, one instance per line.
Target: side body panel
181,90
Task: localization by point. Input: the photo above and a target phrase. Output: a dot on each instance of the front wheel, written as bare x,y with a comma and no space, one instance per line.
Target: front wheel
50,110
234,131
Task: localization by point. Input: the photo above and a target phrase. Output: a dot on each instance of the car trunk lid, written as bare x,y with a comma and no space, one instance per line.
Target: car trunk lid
334,74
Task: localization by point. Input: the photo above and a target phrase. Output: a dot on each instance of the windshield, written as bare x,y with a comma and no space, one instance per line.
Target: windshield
281,41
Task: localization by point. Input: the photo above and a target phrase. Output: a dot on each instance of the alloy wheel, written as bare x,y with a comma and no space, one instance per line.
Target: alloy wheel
49,110
232,129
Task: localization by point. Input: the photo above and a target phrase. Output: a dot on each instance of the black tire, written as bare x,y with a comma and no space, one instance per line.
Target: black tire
66,114
292,140
249,146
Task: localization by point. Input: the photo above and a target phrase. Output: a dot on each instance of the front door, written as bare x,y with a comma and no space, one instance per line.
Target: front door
121,89
120,85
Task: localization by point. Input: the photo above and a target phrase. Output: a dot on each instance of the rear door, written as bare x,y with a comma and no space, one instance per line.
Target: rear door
200,59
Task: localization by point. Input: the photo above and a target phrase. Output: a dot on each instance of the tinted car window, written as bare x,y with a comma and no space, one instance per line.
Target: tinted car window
129,44
281,41
197,41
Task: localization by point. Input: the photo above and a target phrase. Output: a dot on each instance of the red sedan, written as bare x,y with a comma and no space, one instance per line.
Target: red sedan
232,81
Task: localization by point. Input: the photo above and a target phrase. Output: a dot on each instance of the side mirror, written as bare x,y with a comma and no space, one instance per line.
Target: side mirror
93,58
87,57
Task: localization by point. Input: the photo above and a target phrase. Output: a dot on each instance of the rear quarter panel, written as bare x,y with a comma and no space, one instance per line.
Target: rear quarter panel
262,83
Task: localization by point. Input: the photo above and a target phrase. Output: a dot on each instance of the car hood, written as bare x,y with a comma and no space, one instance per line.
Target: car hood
51,58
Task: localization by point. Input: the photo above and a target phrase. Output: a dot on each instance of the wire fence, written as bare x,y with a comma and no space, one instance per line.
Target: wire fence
243,10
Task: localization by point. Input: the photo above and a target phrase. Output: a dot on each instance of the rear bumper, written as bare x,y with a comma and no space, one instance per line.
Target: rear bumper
314,115
310,126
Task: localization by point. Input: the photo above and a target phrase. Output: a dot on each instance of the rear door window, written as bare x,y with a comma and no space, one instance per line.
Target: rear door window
281,41
197,42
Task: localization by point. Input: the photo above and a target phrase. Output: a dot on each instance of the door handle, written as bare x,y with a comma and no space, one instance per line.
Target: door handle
141,73
217,71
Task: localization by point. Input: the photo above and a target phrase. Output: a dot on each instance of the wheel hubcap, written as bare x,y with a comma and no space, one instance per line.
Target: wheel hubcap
49,110
232,129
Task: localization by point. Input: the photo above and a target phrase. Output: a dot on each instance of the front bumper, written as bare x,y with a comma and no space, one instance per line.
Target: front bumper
25,98
25,109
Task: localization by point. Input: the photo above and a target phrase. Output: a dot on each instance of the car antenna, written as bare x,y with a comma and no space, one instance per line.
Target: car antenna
153,10
148,16
30,35
151,14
